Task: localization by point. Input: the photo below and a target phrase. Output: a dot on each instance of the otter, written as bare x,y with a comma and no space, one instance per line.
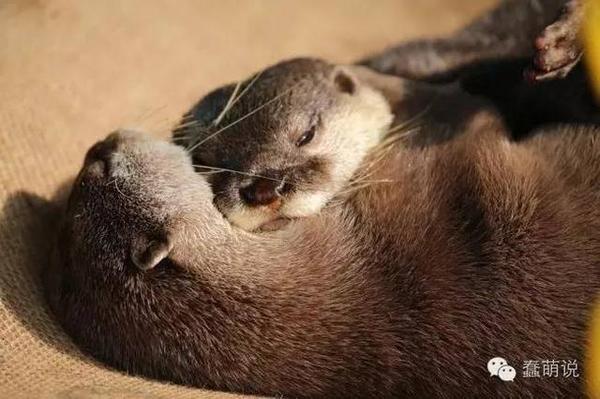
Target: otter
287,141
523,56
282,144
296,136
543,33
483,247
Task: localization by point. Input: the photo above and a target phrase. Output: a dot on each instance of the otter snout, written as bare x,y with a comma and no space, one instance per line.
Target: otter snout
264,191
97,160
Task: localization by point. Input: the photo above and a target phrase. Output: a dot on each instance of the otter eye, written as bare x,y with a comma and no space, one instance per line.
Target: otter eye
306,137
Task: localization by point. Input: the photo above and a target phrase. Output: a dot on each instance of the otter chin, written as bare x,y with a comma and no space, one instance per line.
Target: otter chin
284,142
274,216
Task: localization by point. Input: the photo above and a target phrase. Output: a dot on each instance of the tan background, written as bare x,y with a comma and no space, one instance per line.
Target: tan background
71,71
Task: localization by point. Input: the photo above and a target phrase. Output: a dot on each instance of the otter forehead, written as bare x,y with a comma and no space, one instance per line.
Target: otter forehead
277,104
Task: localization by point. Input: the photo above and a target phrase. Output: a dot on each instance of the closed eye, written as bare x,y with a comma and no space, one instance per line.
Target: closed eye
306,137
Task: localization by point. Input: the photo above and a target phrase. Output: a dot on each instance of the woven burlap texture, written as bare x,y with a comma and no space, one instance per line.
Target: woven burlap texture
70,72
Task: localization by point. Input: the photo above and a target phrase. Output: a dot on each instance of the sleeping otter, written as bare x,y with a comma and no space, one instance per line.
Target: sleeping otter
283,143
483,248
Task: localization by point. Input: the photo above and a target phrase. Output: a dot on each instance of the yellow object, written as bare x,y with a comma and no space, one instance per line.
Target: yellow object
591,39
592,369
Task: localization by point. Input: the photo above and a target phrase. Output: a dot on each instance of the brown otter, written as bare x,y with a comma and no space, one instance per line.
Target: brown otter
483,248
282,144
491,55
544,31
285,142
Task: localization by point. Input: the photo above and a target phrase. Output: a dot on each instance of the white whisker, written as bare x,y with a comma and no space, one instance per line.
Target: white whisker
219,170
233,100
242,118
417,116
230,101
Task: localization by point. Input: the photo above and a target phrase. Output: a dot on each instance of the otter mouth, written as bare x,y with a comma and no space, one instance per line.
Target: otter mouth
267,218
256,219
273,225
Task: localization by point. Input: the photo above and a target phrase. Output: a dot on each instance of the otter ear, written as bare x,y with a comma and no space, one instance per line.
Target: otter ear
344,81
147,252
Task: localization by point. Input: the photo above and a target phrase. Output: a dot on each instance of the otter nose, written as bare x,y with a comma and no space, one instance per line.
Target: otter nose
97,159
262,191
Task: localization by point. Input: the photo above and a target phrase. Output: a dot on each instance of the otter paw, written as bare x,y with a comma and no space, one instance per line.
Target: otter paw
557,48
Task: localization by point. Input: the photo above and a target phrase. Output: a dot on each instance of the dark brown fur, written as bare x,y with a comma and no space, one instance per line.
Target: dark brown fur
246,138
500,54
505,33
264,143
480,247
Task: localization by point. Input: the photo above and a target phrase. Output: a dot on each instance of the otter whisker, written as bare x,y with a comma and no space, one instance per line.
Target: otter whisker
417,116
187,124
230,101
220,170
356,187
118,189
211,172
243,117
380,152
188,115
233,99
187,127
182,137
390,141
399,127
148,112
187,133
376,181
365,180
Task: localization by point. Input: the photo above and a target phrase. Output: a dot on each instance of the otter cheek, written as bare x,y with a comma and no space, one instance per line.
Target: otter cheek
303,204
250,219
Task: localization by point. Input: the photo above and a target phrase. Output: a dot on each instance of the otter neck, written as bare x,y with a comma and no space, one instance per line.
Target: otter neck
295,304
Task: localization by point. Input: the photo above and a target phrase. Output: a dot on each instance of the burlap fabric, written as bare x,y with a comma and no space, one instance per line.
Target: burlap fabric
72,71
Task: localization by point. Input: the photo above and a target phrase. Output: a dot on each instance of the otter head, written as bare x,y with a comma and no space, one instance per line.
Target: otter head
133,206
283,143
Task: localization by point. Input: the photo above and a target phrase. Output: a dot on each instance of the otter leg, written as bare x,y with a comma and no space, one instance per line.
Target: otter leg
437,59
558,46
506,32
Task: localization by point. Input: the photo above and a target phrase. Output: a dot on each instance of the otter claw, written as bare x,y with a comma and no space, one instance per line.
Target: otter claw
558,47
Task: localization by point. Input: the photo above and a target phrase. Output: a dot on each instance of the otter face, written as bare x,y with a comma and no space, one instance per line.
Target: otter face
137,219
133,202
285,142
